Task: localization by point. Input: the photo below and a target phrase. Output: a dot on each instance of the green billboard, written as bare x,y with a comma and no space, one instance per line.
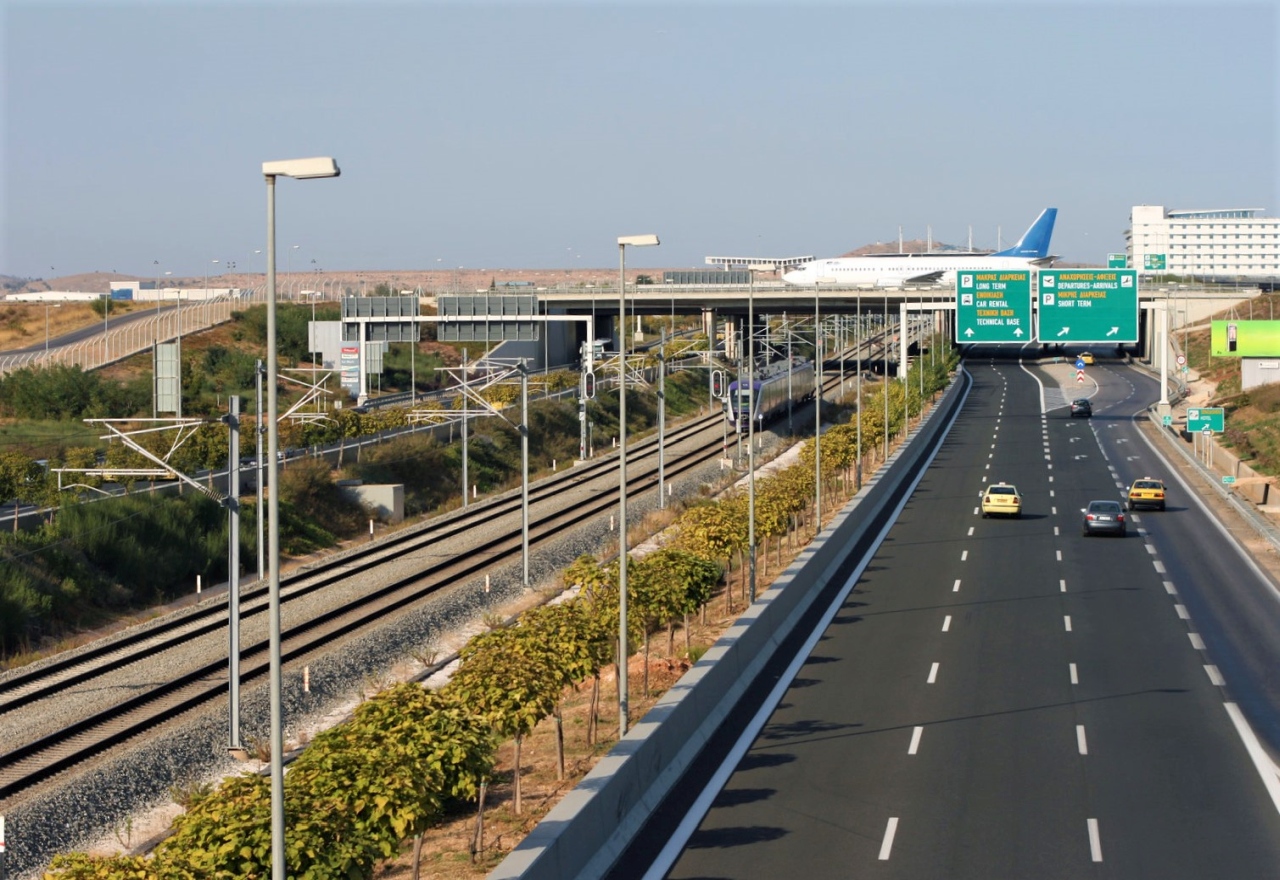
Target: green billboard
993,306
1153,262
1088,305
1244,338
1201,417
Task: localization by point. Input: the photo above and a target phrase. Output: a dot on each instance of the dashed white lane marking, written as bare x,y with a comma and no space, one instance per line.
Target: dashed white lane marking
933,673
1214,675
946,623
1062,586
1151,550
1051,479
1196,641
1170,589
1081,743
1055,532
976,510
1051,493
1182,612
915,740
964,555
1055,510
1095,841
988,467
1075,675
1058,553
1159,566
887,846
956,588
1066,621
970,531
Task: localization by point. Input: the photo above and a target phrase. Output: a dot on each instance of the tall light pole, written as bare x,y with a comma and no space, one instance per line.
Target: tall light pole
751,423
46,328
623,241
300,169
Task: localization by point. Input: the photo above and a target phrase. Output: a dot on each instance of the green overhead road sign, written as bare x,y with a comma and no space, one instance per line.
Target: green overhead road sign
1088,305
1206,418
1117,261
1153,262
993,306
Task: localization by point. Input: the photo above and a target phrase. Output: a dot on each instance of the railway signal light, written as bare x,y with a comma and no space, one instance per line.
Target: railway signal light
588,385
717,384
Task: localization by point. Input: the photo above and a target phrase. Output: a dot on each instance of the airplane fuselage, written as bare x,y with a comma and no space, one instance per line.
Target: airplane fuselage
895,270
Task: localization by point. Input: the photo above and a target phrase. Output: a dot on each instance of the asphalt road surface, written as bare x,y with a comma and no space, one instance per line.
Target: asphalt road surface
1005,698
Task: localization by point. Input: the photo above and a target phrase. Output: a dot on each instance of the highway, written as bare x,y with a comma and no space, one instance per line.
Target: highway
1006,698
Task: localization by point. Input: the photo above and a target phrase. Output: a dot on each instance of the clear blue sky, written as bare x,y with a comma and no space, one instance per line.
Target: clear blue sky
532,134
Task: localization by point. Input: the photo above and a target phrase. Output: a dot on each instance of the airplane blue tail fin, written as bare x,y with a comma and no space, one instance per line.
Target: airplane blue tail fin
1035,241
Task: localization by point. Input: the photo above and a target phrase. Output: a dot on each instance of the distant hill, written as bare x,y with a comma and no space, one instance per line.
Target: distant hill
915,246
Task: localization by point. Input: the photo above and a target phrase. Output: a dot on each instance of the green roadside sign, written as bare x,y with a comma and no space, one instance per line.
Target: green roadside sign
1117,261
1088,305
1153,262
1205,418
993,306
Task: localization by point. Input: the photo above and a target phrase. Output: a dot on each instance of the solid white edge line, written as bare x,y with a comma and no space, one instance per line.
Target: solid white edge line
916,733
693,818
1261,762
890,830
1095,841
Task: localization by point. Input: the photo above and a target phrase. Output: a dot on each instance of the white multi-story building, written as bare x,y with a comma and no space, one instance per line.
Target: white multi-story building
1224,243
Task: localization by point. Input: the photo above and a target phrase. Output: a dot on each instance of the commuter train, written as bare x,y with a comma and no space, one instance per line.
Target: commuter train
770,394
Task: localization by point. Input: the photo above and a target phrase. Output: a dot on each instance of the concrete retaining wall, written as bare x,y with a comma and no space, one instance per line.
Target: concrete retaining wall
591,826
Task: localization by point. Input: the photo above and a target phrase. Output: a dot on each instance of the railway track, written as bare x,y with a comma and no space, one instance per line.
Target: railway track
406,568
556,505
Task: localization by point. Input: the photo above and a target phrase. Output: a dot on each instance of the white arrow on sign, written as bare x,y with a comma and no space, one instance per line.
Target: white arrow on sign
1064,331
968,332
1017,332
1113,331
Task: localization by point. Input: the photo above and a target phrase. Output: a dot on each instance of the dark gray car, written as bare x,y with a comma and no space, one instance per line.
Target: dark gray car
1103,518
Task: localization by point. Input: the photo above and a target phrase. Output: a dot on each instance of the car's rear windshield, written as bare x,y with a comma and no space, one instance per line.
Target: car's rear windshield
1147,484
1105,507
1002,490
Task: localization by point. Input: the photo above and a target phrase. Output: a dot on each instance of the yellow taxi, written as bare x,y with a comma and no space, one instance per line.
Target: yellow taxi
1146,492
1086,357
1001,499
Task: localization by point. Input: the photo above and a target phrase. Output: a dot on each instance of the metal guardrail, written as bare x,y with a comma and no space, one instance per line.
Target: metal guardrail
137,336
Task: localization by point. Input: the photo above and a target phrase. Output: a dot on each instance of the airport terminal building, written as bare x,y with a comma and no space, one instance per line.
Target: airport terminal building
1223,243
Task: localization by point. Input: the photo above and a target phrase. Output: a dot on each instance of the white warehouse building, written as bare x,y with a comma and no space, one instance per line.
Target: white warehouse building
1226,243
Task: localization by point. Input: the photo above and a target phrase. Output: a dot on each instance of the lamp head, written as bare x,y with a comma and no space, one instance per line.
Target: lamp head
638,240
302,169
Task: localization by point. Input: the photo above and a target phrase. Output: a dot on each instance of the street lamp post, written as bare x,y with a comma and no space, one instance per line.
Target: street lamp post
751,424
46,327
623,241
300,169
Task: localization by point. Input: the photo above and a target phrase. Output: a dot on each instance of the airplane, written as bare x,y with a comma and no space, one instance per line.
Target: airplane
895,270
